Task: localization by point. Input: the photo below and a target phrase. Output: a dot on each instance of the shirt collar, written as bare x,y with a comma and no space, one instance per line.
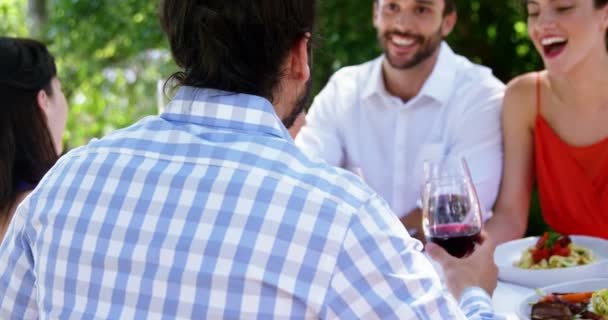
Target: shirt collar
223,109
438,86
440,83
375,85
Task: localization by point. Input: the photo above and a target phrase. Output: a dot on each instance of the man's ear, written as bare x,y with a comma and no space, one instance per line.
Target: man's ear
375,16
43,101
449,21
298,60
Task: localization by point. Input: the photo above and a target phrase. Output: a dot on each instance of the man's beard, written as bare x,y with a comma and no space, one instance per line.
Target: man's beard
428,46
299,106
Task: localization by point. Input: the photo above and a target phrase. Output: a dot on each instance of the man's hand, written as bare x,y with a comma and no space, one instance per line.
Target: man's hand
413,223
476,270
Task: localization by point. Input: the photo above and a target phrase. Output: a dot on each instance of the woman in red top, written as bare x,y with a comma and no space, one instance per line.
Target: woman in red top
555,124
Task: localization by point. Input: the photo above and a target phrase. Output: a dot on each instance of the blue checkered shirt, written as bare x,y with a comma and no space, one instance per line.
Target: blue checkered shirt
209,211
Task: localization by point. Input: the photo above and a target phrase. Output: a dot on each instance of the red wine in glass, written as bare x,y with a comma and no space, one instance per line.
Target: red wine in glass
450,210
457,239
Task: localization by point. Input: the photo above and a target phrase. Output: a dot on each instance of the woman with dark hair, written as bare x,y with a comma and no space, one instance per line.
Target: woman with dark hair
555,124
33,114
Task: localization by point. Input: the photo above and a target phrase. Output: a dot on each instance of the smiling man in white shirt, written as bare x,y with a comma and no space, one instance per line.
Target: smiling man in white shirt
418,101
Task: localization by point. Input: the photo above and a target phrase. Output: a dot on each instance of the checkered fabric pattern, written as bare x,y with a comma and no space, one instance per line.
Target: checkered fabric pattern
211,212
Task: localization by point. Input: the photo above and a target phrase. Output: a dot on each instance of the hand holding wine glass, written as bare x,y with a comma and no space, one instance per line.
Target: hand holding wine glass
475,270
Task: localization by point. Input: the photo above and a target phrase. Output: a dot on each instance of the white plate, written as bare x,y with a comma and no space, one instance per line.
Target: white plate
508,253
525,308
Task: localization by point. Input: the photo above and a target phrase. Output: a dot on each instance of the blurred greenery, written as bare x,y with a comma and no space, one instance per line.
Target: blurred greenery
13,17
536,223
112,53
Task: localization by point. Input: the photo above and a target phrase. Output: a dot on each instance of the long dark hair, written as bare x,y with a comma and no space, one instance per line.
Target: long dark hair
26,146
598,4
236,45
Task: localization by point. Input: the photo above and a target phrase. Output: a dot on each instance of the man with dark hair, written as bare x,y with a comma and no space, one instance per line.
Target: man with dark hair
209,211
450,6
419,101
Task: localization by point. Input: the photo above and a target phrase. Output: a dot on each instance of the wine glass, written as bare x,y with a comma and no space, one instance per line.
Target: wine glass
451,214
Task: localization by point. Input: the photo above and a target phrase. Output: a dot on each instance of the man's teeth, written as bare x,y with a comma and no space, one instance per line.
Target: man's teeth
403,41
552,40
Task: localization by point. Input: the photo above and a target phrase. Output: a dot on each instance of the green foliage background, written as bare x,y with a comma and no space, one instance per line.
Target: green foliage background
111,53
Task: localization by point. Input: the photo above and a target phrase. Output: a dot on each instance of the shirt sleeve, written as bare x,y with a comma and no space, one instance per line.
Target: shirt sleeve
380,273
476,304
319,137
17,280
478,138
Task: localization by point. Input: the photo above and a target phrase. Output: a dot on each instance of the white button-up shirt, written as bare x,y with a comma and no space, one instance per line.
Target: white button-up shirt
356,124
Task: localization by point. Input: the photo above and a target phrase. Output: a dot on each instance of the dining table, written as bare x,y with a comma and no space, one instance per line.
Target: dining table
506,299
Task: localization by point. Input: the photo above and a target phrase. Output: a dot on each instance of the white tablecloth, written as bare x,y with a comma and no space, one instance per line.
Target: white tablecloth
506,299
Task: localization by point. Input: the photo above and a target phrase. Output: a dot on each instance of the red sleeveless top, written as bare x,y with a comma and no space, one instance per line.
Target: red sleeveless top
572,181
